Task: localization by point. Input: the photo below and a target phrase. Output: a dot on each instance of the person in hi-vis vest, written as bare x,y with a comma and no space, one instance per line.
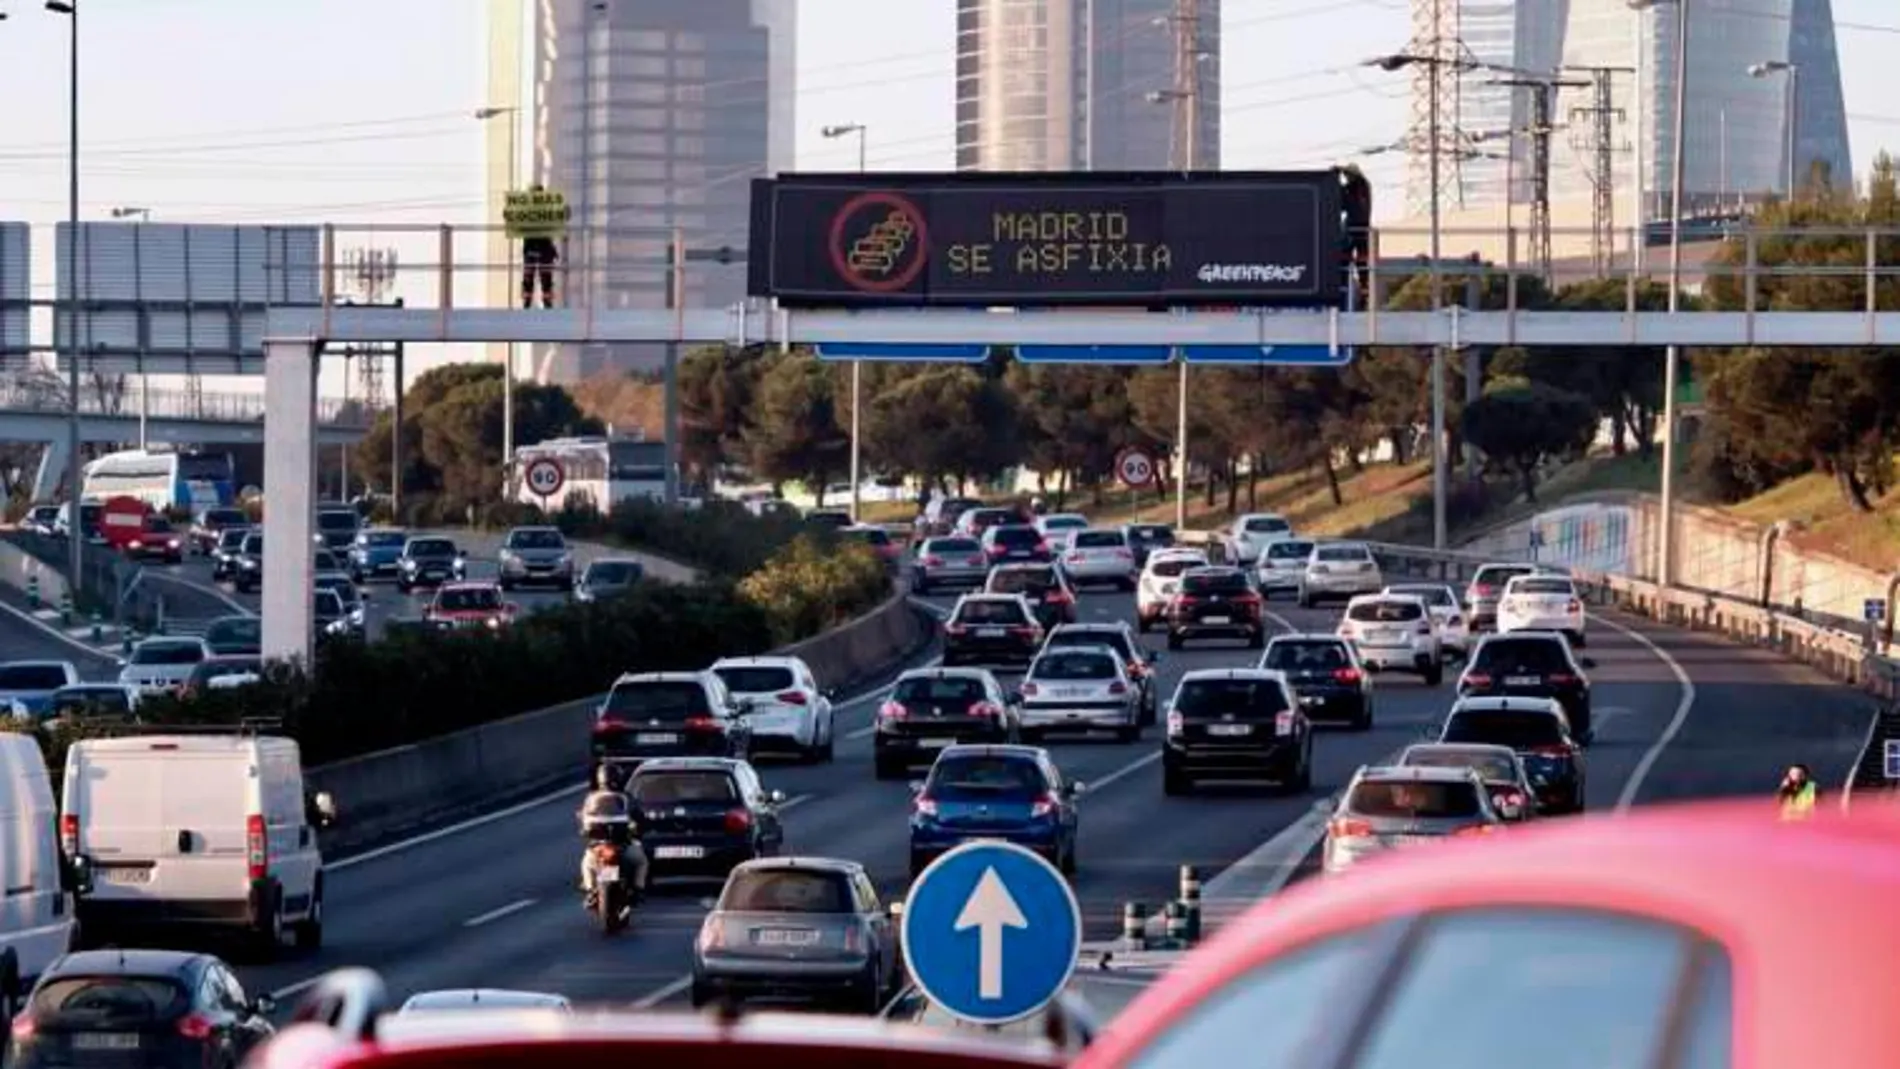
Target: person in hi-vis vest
1796,793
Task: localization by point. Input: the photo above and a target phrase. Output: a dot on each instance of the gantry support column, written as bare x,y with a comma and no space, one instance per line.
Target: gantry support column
290,480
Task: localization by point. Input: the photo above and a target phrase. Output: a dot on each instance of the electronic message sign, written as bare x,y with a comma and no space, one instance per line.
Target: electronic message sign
1029,240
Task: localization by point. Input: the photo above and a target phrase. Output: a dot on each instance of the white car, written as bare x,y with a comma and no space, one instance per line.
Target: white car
1339,570
789,709
1543,602
1282,565
483,998
1394,633
1079,688
1454,630
1251,534
1099,555
161,665
1159,579
1058,527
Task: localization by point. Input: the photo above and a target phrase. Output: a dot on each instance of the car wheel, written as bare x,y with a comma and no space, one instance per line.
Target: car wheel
700,995
1175,641
308,932
1141,624
1257,640
1067,865
1175,783
918,863
1302,782
1363,722
1579,639
1434,673
1305,600
885,768
920,586
269,938
830,749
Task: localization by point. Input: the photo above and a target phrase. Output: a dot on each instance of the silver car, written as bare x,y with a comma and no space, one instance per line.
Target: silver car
1454,631
535,555
803,929
161,665
1080,688
1502,771
483,998
1059,527
1339,570
1282,565
1100,555
949,561
609,577
1389,808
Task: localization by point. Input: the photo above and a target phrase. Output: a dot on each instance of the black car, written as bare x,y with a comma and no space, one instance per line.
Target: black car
199,681
208,528
1236,723
1540,735
991,629
1145,538
235,636
1043,585
248,576
1142,662
337,526
1325,675
1013,544
1532,664
226,551
670,714
933,708
153,1009
1215,602
429,561
701,816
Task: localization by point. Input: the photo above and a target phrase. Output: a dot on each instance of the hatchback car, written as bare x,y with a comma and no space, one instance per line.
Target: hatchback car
1388,808
1499,767
951,560
535,555
1545,602
608,577
463,605
976,522
1250,535
1146,538
337,526
429,561
1339,571
247,570
1236,724
1013,544
803,929
1160,578
933,709
1059,528
829,519
789,711
157,540
991,629
670,714
701,816
161,665
160,1009
30,685
1325,675
1080,689
876,539
1532,664
1042,585
96,702
224,552
1537,731
1215,603
377,553
208,528
1454,631
1486,588
1100,556
205,676
1141,662
1394,633
1282,565
1012,793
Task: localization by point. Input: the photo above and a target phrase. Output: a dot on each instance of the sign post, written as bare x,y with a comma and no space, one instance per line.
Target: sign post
545,477
991,932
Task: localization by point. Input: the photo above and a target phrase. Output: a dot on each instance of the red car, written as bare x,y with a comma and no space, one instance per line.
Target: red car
1708,936
458,605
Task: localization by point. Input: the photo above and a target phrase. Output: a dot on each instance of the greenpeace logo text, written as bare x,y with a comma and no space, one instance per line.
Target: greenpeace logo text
1252,273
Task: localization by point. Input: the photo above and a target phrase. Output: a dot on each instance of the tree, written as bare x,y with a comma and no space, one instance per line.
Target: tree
627,402
1520,424
1074,421
794,432
941,422
717,386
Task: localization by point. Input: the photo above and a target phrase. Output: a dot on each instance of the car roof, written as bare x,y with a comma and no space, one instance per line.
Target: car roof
1214,569
945,672
1118,626
125,963
1541,575
470,584
1369,599
986,595
37,663
1413,774
801,864
662,677
1523,636
1519,704
534,527
689,764
1177,553
1307,636
1199,675
479,997
1481,749
995,749
1513,565
168,640
762,661
1068,651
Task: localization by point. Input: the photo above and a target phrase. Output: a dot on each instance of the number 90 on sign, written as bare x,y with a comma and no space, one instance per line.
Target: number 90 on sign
1135,468
545,477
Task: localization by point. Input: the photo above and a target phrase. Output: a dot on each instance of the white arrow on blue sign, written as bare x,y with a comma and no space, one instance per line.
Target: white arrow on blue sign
1270,355
991,932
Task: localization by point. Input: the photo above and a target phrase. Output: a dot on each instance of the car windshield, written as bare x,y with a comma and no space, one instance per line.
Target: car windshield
1079,665
1535,656
757,679
1064,523
1491,767
536,540
951,545
786,891
1342,553
469,599
963,779
945,690
224,517
1307,657
955,506
1541,585
1412,799
168,653
108,1002
1015,536
1098,540
91,701
1290,550
1173,566
614,571
430,547
1435,596
158,525
325,561
870,536
32,676
1267,525
337,520
1114,639
235,630
339,584
382,539
1215,583
990,612
828,518
1492,575
1251,698
1031,581
657,699
1385,611
668,788
253,545
327,605
232,538
1520,730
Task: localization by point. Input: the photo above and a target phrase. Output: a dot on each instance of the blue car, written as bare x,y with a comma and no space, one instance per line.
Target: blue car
28,686
1011,793
376,554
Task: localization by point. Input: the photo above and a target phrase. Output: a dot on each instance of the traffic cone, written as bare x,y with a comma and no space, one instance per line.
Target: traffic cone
98,630
66,609
33,591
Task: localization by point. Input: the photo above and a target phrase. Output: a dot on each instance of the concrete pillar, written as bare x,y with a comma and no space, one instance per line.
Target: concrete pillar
52,472
290,479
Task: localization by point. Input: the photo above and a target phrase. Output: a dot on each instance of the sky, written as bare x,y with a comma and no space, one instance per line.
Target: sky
360,111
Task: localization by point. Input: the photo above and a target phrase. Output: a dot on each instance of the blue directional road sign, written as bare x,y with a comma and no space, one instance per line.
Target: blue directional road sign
991,932
903,354
1272,355
1891,751
1106,355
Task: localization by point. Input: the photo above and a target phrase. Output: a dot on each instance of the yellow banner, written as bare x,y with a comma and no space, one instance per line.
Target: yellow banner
535,214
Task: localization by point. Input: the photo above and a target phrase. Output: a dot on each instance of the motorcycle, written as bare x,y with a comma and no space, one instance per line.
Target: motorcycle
612,900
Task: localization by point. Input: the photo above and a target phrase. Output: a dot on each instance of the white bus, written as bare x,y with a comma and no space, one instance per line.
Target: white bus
162,479
603,471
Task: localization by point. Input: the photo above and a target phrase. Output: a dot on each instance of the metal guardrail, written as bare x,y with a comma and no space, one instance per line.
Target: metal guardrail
36,394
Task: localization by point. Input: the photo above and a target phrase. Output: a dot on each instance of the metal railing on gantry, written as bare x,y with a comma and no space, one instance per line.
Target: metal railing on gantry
27,393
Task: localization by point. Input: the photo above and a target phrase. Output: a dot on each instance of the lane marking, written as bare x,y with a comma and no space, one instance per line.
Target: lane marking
654,998
51,631
288,990
496,914
453,829
1683,706
1867,745
1125,771
193,584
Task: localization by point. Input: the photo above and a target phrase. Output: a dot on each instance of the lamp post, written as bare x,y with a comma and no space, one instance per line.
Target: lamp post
1170,96
508,359
75,529
1672,359
144,215
1791,96
832,133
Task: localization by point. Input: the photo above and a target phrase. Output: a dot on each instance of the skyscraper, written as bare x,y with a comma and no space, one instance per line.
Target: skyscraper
1060,85
652,115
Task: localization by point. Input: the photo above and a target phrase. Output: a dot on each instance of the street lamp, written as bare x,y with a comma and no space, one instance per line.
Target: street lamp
832,133
1792,94
508,360
1171,96
144,215
75,529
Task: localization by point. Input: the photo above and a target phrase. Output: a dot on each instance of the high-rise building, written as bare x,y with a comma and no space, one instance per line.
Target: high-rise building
653,116
1071,85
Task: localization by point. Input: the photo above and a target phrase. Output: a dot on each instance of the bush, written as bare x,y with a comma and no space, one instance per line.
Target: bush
808,587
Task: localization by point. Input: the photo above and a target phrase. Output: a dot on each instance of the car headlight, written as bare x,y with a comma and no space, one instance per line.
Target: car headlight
248,564
356,617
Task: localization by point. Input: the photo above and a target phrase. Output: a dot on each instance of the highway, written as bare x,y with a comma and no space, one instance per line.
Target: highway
493,901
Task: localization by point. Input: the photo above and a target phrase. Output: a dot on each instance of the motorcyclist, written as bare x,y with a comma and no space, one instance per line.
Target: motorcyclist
607,815
1796,793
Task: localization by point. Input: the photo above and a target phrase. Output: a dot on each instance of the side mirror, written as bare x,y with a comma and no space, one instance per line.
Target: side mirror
775,797
324,806
831,693
120,661
1587,662
263,1005
917,786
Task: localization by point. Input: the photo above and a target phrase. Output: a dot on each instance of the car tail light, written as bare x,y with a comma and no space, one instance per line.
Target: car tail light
1030,631
256,848
1553,750
1042,546
933,561
1562,679
1574,607
69,834
1425,627
1028,690
1043,806
1346,675
701,723
853,940
1348,828
996,550
791,697
924,806
22,1028
1454,620
1125,554
1075,555
1483,591
1059,597
1477,679
1118,688
984,710
195,1026
1176,724
1182,601
892,711
979,559
608,724
1508,798
1475,829
738,820
1346,630
712,934
954,629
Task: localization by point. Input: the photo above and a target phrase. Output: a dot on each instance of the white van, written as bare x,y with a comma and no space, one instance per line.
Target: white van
195,830
36,917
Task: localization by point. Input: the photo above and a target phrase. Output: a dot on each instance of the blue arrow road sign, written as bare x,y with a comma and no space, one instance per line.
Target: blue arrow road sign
1095,354
1271,355
991,932
920,354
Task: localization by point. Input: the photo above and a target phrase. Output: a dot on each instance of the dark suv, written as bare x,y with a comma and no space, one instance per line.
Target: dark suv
1215,603
931,709
991,629
700,816
1538,733
1532,664
1043,586
1326,676
1013,544
670,714
1236,723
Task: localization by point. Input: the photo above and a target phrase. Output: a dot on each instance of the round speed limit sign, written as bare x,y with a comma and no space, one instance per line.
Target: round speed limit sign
545,477
1135,468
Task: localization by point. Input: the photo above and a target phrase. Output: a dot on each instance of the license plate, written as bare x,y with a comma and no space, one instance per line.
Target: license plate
609,874
1386,638
650,739
106,1041
934,744
1522,681
787,937
1069,692
679,853
1217,619
1229,730
991,632
126,875
1310,700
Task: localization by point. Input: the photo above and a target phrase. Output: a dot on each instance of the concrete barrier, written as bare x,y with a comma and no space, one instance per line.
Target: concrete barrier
385,794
